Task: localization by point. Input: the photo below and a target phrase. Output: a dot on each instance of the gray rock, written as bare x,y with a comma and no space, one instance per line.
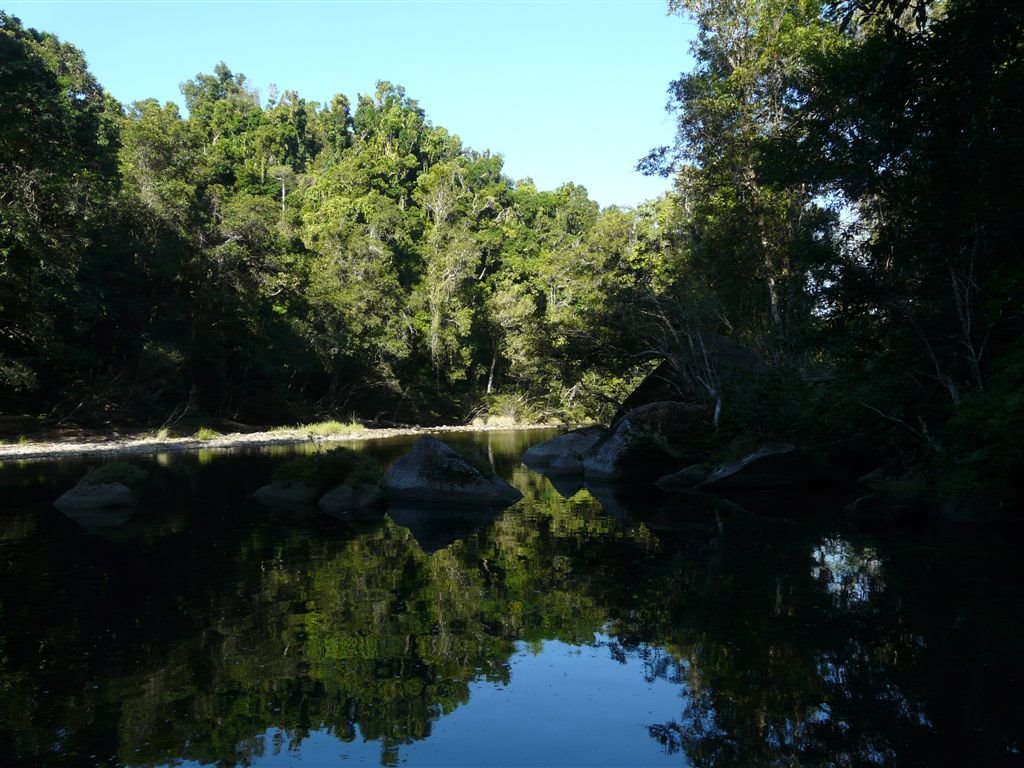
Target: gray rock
649,442
284,494
685,479
350,500
89,496
775,465
563,455
432,472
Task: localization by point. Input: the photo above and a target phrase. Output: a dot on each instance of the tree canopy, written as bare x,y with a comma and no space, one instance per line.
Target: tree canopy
847,176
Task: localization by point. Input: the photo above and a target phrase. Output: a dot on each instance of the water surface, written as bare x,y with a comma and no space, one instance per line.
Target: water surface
576,627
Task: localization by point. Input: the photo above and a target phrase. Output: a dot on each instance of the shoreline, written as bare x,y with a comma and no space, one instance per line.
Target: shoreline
138,445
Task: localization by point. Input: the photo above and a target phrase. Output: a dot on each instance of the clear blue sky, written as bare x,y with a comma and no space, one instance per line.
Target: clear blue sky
565,90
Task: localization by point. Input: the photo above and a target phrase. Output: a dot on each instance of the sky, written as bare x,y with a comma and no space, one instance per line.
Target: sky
564,90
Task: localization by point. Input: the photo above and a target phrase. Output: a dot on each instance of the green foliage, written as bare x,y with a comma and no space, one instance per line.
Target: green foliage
847,197
58,136
329,468
985,435
206,433
508,410
324,428
845,206
266,262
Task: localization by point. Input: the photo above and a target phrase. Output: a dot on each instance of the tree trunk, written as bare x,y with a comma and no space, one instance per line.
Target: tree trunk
490,375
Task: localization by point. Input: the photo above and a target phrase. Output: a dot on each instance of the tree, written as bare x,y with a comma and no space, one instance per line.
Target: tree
58,142
753,235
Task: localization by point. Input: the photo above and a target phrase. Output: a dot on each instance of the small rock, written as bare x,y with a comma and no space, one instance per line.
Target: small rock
285,494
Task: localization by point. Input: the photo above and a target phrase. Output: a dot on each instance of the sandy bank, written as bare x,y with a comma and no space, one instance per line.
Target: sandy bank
141,444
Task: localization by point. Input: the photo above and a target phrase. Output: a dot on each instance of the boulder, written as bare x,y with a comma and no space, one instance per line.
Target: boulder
350,500
685,479
775,465
286,494
563,455
432,472
648,442
91,496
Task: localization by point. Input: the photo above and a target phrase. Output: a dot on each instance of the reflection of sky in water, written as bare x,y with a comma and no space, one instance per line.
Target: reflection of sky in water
851,574
565,705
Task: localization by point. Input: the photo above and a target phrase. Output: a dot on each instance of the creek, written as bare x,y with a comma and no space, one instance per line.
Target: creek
606,626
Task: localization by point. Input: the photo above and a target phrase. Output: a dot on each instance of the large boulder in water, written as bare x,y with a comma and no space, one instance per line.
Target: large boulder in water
775,465
109,486
650,441
563,455
433,473
93,496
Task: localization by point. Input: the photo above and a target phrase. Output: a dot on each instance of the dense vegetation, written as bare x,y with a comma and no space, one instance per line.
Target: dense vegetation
278,261
848,174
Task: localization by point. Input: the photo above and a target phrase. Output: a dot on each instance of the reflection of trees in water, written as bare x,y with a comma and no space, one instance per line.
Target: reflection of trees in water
734,616
239,633
240,626
849,662
851,574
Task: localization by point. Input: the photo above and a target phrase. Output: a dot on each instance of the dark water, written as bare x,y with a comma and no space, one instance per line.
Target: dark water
599,629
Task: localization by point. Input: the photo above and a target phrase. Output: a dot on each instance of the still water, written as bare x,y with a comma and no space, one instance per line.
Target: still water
575,628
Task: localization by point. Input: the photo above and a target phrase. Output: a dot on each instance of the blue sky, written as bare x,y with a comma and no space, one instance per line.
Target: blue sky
565,90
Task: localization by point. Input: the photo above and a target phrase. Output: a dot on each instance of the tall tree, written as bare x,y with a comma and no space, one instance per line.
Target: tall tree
58,143
753,236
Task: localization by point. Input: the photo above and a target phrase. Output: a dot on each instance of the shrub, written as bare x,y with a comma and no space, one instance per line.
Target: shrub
328,428
323,428
508,410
